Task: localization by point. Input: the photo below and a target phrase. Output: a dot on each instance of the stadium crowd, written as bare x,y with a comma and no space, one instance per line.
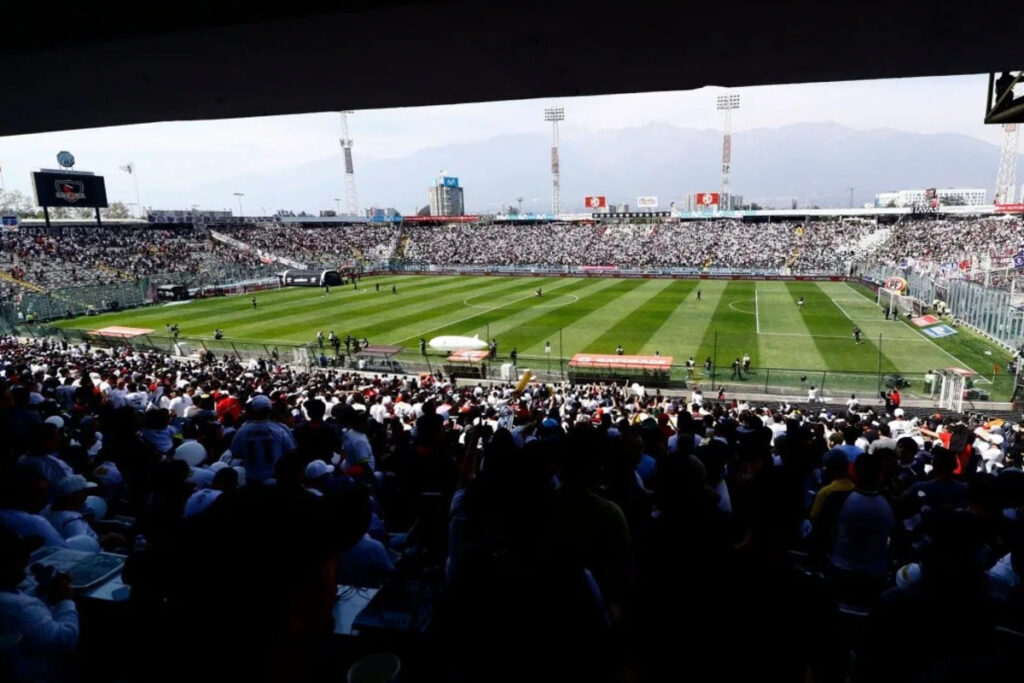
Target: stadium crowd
68,256
326,246
728,244
934,245
592,532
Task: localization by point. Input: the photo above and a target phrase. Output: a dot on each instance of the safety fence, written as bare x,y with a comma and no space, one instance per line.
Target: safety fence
833,386
992,311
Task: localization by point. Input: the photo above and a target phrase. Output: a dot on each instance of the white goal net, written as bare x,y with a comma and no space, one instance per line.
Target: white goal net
900,303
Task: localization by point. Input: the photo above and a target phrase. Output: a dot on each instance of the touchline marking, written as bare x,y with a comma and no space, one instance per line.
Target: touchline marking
480,312
829,336
922,335
757,312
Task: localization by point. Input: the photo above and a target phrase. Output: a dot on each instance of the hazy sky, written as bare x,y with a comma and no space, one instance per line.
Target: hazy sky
173,156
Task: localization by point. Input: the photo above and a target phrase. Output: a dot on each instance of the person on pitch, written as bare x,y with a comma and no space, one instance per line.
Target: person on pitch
856,334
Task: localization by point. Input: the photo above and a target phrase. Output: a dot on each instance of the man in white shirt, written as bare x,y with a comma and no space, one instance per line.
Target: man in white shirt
49,632
378,411
898,425
118,394
181,402
136,398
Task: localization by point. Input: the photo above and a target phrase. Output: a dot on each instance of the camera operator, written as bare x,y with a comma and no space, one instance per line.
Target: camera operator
47,623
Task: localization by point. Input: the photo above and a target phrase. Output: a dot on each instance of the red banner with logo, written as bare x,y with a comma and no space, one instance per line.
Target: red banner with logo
708,199
599,202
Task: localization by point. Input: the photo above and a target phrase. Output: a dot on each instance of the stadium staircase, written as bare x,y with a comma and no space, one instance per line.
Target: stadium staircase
400,247
4,275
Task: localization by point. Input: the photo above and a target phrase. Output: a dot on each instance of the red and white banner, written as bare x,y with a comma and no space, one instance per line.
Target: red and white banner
468,356
598,202
708,199
925,320
1009,208
440,219
587,360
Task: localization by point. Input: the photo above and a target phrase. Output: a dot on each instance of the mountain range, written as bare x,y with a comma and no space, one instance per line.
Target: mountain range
813,163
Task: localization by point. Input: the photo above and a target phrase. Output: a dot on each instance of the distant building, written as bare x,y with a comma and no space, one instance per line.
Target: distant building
375,213
446,197
947,196
622,208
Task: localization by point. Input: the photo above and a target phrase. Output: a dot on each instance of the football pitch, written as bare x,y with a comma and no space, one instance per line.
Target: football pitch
592,315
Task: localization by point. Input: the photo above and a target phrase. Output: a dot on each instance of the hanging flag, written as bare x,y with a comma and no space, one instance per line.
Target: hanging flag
1018,259
129,167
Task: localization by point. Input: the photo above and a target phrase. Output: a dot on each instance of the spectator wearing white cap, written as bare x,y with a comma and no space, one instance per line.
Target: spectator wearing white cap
225,480
317,474
260,443
898,425
68,512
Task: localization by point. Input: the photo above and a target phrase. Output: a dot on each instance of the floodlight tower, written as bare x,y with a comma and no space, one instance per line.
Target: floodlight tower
1007,178
351,203
726,104
554,115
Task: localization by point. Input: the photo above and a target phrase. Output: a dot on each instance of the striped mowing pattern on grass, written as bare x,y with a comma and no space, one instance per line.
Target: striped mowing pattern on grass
593,315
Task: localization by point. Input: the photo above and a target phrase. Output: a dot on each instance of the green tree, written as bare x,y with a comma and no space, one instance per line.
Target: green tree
116,210
13,202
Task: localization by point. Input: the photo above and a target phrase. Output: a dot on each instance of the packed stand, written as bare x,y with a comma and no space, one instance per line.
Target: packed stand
566,532
330,245
75,256
934,246
695,244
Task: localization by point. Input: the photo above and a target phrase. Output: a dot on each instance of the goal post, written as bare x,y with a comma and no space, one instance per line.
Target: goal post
900,303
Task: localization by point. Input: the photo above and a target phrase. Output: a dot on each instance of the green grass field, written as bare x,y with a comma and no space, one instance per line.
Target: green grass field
592,315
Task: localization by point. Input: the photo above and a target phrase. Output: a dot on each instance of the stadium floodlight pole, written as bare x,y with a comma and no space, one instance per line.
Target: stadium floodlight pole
1006,178
726,104
239,195
351,202
130,169
554,115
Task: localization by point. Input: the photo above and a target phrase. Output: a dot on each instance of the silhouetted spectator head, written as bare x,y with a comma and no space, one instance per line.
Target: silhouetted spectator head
867,471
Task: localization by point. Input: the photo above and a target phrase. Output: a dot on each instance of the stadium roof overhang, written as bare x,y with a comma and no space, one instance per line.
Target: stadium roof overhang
95,64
